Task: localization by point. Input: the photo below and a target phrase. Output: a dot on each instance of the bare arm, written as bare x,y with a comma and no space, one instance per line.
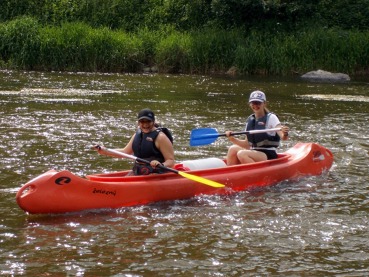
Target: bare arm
127,149
240,142
164,145
283,133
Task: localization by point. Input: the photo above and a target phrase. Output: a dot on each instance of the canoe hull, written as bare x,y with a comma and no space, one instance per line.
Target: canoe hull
61,192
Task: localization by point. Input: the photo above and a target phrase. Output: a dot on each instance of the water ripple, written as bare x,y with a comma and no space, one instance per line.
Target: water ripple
314,226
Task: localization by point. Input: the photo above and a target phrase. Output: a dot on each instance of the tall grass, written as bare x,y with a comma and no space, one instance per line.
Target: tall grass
285,54
26,44
76,47
19,43
172,53
213,50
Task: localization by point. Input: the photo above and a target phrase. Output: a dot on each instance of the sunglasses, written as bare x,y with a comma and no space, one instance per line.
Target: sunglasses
257,103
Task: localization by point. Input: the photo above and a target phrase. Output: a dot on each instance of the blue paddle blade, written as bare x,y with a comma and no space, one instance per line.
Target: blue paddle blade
203,136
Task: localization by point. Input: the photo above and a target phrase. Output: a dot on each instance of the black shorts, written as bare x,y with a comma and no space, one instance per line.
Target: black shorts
271,154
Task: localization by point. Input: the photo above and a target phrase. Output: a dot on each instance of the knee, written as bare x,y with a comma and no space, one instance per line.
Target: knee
241,154
243,157
232,155
232,150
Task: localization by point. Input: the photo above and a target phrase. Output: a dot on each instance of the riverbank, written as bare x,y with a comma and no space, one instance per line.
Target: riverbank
27,45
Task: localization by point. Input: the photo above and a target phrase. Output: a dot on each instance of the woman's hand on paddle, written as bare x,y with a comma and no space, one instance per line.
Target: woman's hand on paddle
99,148
285,130
155,163
240,142
229,136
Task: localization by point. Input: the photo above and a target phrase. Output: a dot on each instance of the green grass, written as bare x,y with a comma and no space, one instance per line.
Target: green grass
26,44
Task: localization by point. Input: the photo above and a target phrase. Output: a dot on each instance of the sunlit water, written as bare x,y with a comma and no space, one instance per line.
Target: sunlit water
316,226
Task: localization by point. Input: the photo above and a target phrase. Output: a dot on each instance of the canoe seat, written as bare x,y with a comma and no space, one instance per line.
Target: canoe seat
202,164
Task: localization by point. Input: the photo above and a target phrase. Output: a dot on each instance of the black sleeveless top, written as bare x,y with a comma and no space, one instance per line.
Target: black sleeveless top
144,146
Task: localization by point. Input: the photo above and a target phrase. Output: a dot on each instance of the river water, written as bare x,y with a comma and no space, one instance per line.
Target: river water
316,226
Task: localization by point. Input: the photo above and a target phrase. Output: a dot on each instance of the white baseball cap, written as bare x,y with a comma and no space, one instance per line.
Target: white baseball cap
258,96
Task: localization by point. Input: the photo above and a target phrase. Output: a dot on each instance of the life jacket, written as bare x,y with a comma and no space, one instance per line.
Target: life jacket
144,147
261,140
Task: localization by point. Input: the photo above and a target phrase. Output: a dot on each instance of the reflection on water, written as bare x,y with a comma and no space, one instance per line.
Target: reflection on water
316,226
332,97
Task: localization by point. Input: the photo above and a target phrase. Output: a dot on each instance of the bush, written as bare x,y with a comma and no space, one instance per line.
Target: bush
77,46
19,42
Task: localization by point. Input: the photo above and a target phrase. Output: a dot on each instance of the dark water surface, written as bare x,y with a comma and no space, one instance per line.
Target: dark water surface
317,226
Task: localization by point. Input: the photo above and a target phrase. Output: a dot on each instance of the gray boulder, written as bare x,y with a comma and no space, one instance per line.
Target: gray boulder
321,75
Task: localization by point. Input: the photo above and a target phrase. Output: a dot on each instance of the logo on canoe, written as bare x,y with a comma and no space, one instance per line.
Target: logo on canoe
63,181
102,191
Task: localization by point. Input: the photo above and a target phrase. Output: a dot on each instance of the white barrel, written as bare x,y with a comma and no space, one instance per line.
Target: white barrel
204,163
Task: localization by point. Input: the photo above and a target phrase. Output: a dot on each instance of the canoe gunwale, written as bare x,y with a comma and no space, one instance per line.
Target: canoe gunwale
120,176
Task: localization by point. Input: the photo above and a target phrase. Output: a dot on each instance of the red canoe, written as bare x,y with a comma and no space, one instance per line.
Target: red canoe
61,192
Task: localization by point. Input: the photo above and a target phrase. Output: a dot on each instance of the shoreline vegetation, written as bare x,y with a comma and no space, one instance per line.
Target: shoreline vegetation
28,43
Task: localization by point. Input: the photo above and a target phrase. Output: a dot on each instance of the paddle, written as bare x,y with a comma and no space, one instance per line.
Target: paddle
203,136
183,174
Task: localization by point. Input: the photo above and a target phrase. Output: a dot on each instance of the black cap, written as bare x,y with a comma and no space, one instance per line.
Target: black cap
146,114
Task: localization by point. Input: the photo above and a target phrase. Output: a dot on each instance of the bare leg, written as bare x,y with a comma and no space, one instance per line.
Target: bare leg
250,156
232,158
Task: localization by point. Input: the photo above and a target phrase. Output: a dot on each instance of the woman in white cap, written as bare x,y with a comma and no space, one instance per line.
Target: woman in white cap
261,146
149,143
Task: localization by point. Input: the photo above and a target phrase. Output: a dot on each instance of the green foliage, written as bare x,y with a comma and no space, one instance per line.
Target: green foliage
172,52
202,51
345,14
132,15
150,39
19,42
115,14
198,36
213,50
186,15
337,50
233,13
71,47
333,50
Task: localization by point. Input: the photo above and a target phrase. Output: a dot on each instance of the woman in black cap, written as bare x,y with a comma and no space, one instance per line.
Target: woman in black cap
261,146
149,143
